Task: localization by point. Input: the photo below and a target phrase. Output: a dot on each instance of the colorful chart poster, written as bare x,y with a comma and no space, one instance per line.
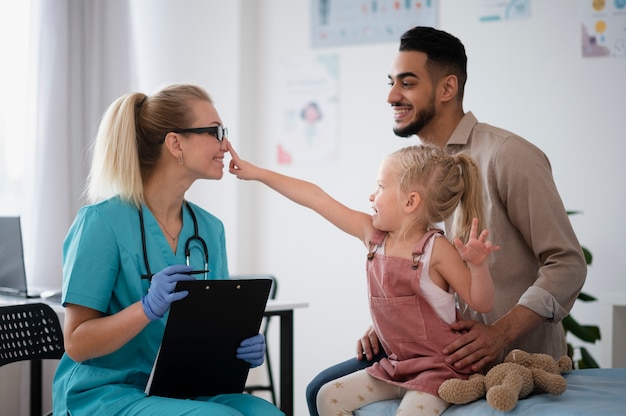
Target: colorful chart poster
353,22
499,10
309,110
603,28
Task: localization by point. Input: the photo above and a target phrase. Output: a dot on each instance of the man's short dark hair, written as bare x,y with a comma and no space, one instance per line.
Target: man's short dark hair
445,53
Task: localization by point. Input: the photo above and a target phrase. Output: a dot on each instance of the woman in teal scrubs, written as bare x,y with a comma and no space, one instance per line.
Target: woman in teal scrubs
148,152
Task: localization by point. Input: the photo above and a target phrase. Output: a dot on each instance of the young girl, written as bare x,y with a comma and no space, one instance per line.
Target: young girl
412,274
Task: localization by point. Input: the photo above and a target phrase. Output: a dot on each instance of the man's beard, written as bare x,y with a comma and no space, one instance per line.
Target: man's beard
424,117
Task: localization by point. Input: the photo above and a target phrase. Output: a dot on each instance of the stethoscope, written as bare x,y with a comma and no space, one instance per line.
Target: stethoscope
190,240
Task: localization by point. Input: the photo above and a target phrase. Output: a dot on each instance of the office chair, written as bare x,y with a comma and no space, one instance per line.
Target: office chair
30,332
264,329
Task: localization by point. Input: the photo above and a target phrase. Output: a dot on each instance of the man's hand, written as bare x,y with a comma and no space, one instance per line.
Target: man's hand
479,345
368,346
482,344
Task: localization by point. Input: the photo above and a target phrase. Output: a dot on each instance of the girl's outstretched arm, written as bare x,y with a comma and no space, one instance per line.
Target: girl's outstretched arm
355,223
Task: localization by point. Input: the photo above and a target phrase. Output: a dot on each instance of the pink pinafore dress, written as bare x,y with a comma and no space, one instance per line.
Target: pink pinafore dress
410,331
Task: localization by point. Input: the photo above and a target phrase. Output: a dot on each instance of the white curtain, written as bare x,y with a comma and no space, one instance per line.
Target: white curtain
83,60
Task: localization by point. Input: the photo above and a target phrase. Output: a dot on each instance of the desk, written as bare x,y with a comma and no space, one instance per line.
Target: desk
282,309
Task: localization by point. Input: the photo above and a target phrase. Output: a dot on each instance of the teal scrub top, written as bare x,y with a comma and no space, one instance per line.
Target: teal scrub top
102,267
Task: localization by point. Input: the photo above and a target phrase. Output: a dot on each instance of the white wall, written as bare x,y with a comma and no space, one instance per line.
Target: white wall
526,76
195,41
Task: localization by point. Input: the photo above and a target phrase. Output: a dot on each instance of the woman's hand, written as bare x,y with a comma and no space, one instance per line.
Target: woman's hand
252,350
161,293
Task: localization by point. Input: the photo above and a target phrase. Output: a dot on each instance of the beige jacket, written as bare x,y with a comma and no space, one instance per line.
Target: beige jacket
540,264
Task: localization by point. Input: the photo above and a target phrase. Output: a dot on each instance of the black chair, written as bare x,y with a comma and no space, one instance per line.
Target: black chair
269,387
30,332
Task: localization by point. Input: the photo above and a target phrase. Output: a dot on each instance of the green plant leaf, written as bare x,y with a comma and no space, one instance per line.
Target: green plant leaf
587,333
570,350
588,256
586,297
594,331
586,360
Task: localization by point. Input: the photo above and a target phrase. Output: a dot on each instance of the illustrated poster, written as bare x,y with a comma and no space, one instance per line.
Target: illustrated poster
353,22
309,110
603,28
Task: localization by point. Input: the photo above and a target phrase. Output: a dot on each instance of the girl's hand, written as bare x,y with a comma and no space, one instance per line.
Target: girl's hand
478,249
239,167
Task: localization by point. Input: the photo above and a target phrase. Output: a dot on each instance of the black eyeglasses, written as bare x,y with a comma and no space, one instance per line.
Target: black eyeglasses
218,132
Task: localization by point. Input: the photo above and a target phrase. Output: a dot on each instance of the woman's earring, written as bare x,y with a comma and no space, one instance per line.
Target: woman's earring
180,158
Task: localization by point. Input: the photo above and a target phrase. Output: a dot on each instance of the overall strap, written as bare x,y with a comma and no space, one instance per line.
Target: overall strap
419,248
375,243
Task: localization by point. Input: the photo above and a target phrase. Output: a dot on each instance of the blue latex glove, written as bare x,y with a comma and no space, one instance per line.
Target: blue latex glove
161,293
252,350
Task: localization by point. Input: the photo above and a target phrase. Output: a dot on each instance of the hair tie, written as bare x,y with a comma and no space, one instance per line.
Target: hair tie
456,159
138,108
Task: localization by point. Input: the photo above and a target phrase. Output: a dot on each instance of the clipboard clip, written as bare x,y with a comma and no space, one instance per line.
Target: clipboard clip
149,276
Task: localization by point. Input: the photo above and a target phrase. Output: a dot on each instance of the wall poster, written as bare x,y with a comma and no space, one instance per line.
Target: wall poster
309,110
603,28
353,22
499,10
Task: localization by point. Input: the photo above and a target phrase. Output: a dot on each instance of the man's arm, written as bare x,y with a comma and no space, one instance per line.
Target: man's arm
482,344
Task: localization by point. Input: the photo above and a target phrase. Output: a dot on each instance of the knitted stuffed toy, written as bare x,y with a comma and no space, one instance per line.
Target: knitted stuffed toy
518,376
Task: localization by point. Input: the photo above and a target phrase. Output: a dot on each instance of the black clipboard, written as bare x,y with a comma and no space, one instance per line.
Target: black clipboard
203,330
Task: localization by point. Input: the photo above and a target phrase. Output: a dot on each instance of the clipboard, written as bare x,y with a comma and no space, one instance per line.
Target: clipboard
203,330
